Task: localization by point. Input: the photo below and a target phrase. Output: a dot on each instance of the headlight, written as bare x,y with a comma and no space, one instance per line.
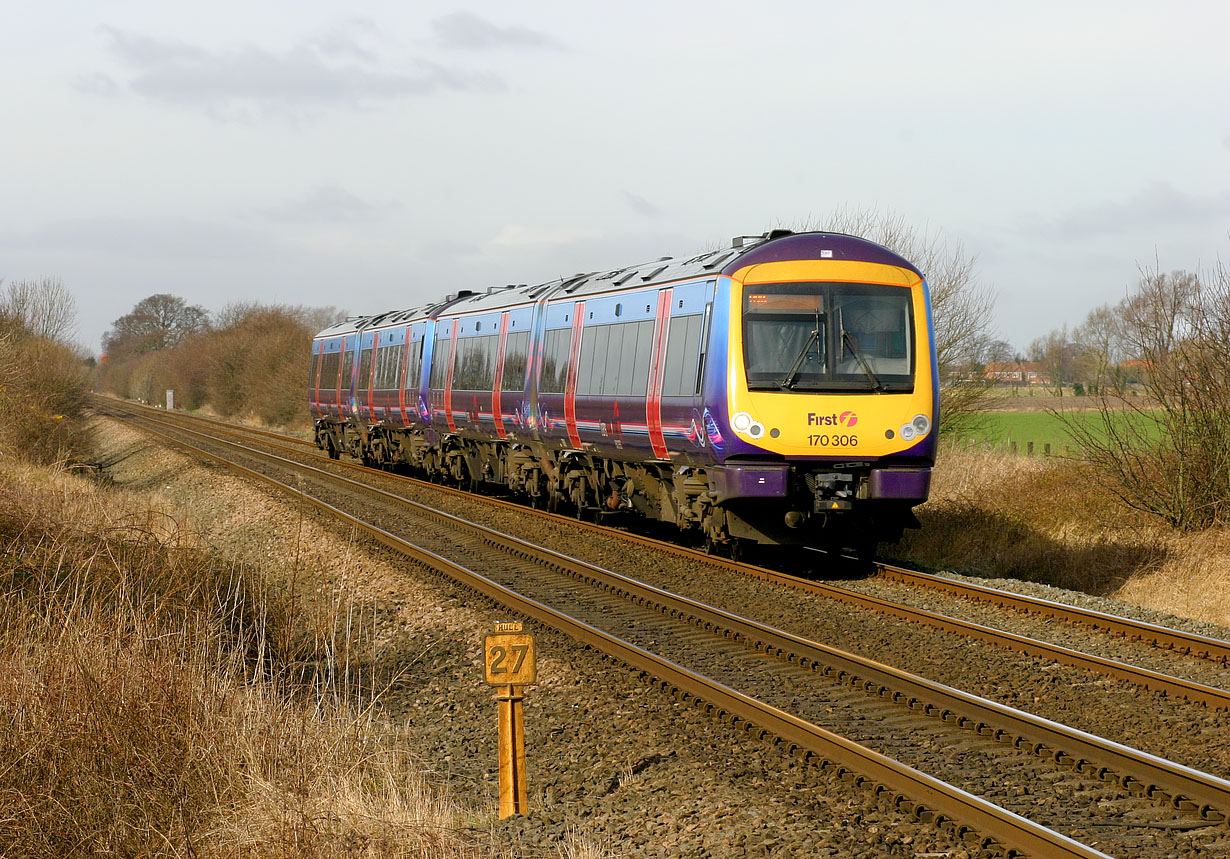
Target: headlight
741,421
756,430
907,432
921,423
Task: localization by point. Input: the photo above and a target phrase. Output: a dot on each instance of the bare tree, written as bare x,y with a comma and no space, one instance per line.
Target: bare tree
962,305
44,308
154,323
1057,354
1167,452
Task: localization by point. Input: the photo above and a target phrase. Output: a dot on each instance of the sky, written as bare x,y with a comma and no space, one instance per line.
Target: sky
379,155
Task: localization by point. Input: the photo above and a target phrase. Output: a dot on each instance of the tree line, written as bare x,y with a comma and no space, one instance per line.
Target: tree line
248,360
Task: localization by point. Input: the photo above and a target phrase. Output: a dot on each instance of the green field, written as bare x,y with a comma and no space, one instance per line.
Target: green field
1041,428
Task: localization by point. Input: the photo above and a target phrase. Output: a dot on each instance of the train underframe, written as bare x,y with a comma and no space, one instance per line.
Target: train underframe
826,507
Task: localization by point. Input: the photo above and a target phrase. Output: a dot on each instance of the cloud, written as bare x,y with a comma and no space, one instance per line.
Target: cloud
143,238
1156,207
327,72
640,205
517,236
328,204
468,32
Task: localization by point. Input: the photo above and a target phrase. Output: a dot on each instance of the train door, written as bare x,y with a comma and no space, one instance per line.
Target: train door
684,322
511,407
363,378
557,321
345,381
497,413
314,378
439,390
413,405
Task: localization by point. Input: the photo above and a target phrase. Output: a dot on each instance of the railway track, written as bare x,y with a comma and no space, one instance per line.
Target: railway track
1213,650
625,618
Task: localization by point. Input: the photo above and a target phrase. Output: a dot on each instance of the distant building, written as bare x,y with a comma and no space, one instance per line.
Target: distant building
1016,373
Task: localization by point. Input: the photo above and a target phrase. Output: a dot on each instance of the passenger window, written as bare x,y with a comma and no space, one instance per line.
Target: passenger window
682,356
515,354
593,371
555,361
642,358
613,371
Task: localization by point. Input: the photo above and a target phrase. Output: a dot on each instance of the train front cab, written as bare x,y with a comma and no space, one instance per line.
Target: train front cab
832,403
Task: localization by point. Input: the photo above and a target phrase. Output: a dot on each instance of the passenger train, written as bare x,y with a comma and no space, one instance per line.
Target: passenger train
779,391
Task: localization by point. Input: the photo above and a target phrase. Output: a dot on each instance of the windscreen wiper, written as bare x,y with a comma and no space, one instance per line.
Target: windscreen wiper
789,380
847,338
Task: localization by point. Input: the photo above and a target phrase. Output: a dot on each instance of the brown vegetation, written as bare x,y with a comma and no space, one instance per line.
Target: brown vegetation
158,699
253,364
42,395
1047,520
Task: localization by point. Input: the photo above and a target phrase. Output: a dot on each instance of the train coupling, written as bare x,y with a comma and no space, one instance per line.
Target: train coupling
834,490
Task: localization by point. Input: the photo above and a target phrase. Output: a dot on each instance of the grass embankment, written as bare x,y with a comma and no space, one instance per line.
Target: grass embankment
1049,520
160,698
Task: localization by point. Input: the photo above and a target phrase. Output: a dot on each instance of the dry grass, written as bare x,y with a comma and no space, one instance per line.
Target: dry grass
157,699
42,396
1047,520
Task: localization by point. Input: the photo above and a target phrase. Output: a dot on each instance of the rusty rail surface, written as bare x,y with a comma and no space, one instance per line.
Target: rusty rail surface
927,798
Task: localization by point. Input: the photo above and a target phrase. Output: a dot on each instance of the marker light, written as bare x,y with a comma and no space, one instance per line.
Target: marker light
756,430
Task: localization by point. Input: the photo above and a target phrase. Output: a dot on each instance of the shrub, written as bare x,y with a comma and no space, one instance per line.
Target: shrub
42,397
1171,458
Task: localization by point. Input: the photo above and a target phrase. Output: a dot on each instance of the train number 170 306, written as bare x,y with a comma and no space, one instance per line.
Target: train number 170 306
833,440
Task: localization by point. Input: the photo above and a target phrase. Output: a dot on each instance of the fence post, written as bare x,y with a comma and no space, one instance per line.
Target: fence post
1046,449
1012,448
1029,448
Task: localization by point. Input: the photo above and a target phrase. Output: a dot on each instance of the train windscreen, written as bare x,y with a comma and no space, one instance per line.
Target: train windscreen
828,337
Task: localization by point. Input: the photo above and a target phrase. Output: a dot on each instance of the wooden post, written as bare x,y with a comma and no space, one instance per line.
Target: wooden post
514,788
510,665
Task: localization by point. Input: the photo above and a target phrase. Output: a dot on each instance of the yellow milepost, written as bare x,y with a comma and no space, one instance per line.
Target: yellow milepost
510,666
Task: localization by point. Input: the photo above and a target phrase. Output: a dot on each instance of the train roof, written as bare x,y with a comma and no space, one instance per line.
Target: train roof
743,251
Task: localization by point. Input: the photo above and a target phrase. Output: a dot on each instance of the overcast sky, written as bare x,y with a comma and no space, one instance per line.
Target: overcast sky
375,155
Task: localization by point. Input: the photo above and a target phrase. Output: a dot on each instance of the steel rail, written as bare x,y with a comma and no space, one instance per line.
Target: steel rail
206,419
1155,681
1214,649
927,798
